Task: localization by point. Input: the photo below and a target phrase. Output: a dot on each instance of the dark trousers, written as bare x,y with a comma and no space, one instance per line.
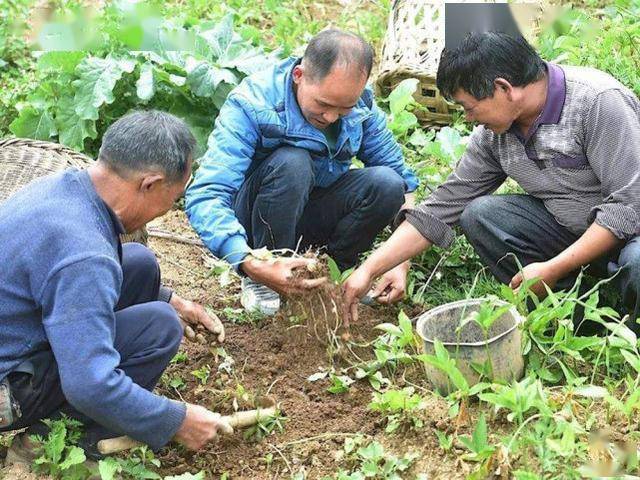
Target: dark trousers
147,336
280,209
497,225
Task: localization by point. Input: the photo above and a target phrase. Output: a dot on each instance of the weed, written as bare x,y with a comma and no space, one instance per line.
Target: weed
202,374
401,407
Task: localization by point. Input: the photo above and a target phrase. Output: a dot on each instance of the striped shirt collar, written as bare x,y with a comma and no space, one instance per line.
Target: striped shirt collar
553,105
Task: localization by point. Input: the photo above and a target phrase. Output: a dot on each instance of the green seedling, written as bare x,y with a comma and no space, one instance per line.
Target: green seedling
338,277
401,408
519,399
371,461
477,443
202,374
339,383
138,465
445,441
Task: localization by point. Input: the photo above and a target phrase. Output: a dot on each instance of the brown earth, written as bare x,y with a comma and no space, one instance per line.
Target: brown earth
275,358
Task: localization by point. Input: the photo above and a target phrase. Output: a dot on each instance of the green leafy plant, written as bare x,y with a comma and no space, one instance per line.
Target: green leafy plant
61,457
202,374
137,466
520,398
187,71
339,383
401,407
371,461
478,443
337,276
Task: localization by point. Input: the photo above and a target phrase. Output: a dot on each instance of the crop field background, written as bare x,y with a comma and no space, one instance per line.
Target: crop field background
350,407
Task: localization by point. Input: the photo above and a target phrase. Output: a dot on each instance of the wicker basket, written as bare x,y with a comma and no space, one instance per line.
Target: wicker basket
412,47
23,160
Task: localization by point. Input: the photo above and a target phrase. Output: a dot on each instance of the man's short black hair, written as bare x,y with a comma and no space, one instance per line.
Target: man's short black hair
333,47
481,58
151,140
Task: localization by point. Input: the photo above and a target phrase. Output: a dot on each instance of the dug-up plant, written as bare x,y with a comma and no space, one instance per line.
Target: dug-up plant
402,407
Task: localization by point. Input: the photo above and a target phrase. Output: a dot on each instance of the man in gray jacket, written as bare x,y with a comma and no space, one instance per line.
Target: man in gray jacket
570,137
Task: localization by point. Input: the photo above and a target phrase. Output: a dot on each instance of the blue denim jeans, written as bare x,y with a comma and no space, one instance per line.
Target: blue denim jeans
280,208
520,224
148,334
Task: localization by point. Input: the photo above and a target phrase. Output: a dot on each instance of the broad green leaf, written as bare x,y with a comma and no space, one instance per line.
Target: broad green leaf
204,78
59,61
389,328
632,359
145,86
72,129
402,95
219,37
450,142
334,270
75,456
373,451
402,121
108,468
94,87
33,123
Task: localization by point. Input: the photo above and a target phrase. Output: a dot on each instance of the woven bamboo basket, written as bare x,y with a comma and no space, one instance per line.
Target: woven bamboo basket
412,46
23,160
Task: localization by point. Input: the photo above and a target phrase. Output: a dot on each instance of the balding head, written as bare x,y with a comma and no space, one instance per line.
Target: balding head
335,48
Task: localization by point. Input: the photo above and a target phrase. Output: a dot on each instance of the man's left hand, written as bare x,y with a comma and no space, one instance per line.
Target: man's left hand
192,313
545,272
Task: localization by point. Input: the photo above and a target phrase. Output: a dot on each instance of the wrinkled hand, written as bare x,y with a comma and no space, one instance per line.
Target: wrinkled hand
543,271
194,314
356,286
392,285
200,426
280,274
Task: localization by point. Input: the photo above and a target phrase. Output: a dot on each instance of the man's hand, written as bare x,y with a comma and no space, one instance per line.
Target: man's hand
192,313
392,285
545,272
200,426
279,274
356,286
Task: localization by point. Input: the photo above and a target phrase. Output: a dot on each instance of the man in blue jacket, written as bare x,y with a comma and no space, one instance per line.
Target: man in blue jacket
278,173
86,329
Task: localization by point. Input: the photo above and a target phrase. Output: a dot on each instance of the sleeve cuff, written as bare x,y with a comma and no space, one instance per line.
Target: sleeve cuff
619,219
429,226
176,412
234,249
164,294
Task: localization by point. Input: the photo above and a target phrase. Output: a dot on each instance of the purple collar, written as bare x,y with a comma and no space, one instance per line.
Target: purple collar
552,110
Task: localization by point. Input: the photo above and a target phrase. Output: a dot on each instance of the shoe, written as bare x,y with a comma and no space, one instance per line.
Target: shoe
257,297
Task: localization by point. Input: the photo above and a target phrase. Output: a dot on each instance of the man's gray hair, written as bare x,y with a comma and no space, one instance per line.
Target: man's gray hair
143,141
333,47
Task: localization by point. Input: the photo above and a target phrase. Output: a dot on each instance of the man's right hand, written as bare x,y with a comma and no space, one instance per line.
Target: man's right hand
279,274
200,426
